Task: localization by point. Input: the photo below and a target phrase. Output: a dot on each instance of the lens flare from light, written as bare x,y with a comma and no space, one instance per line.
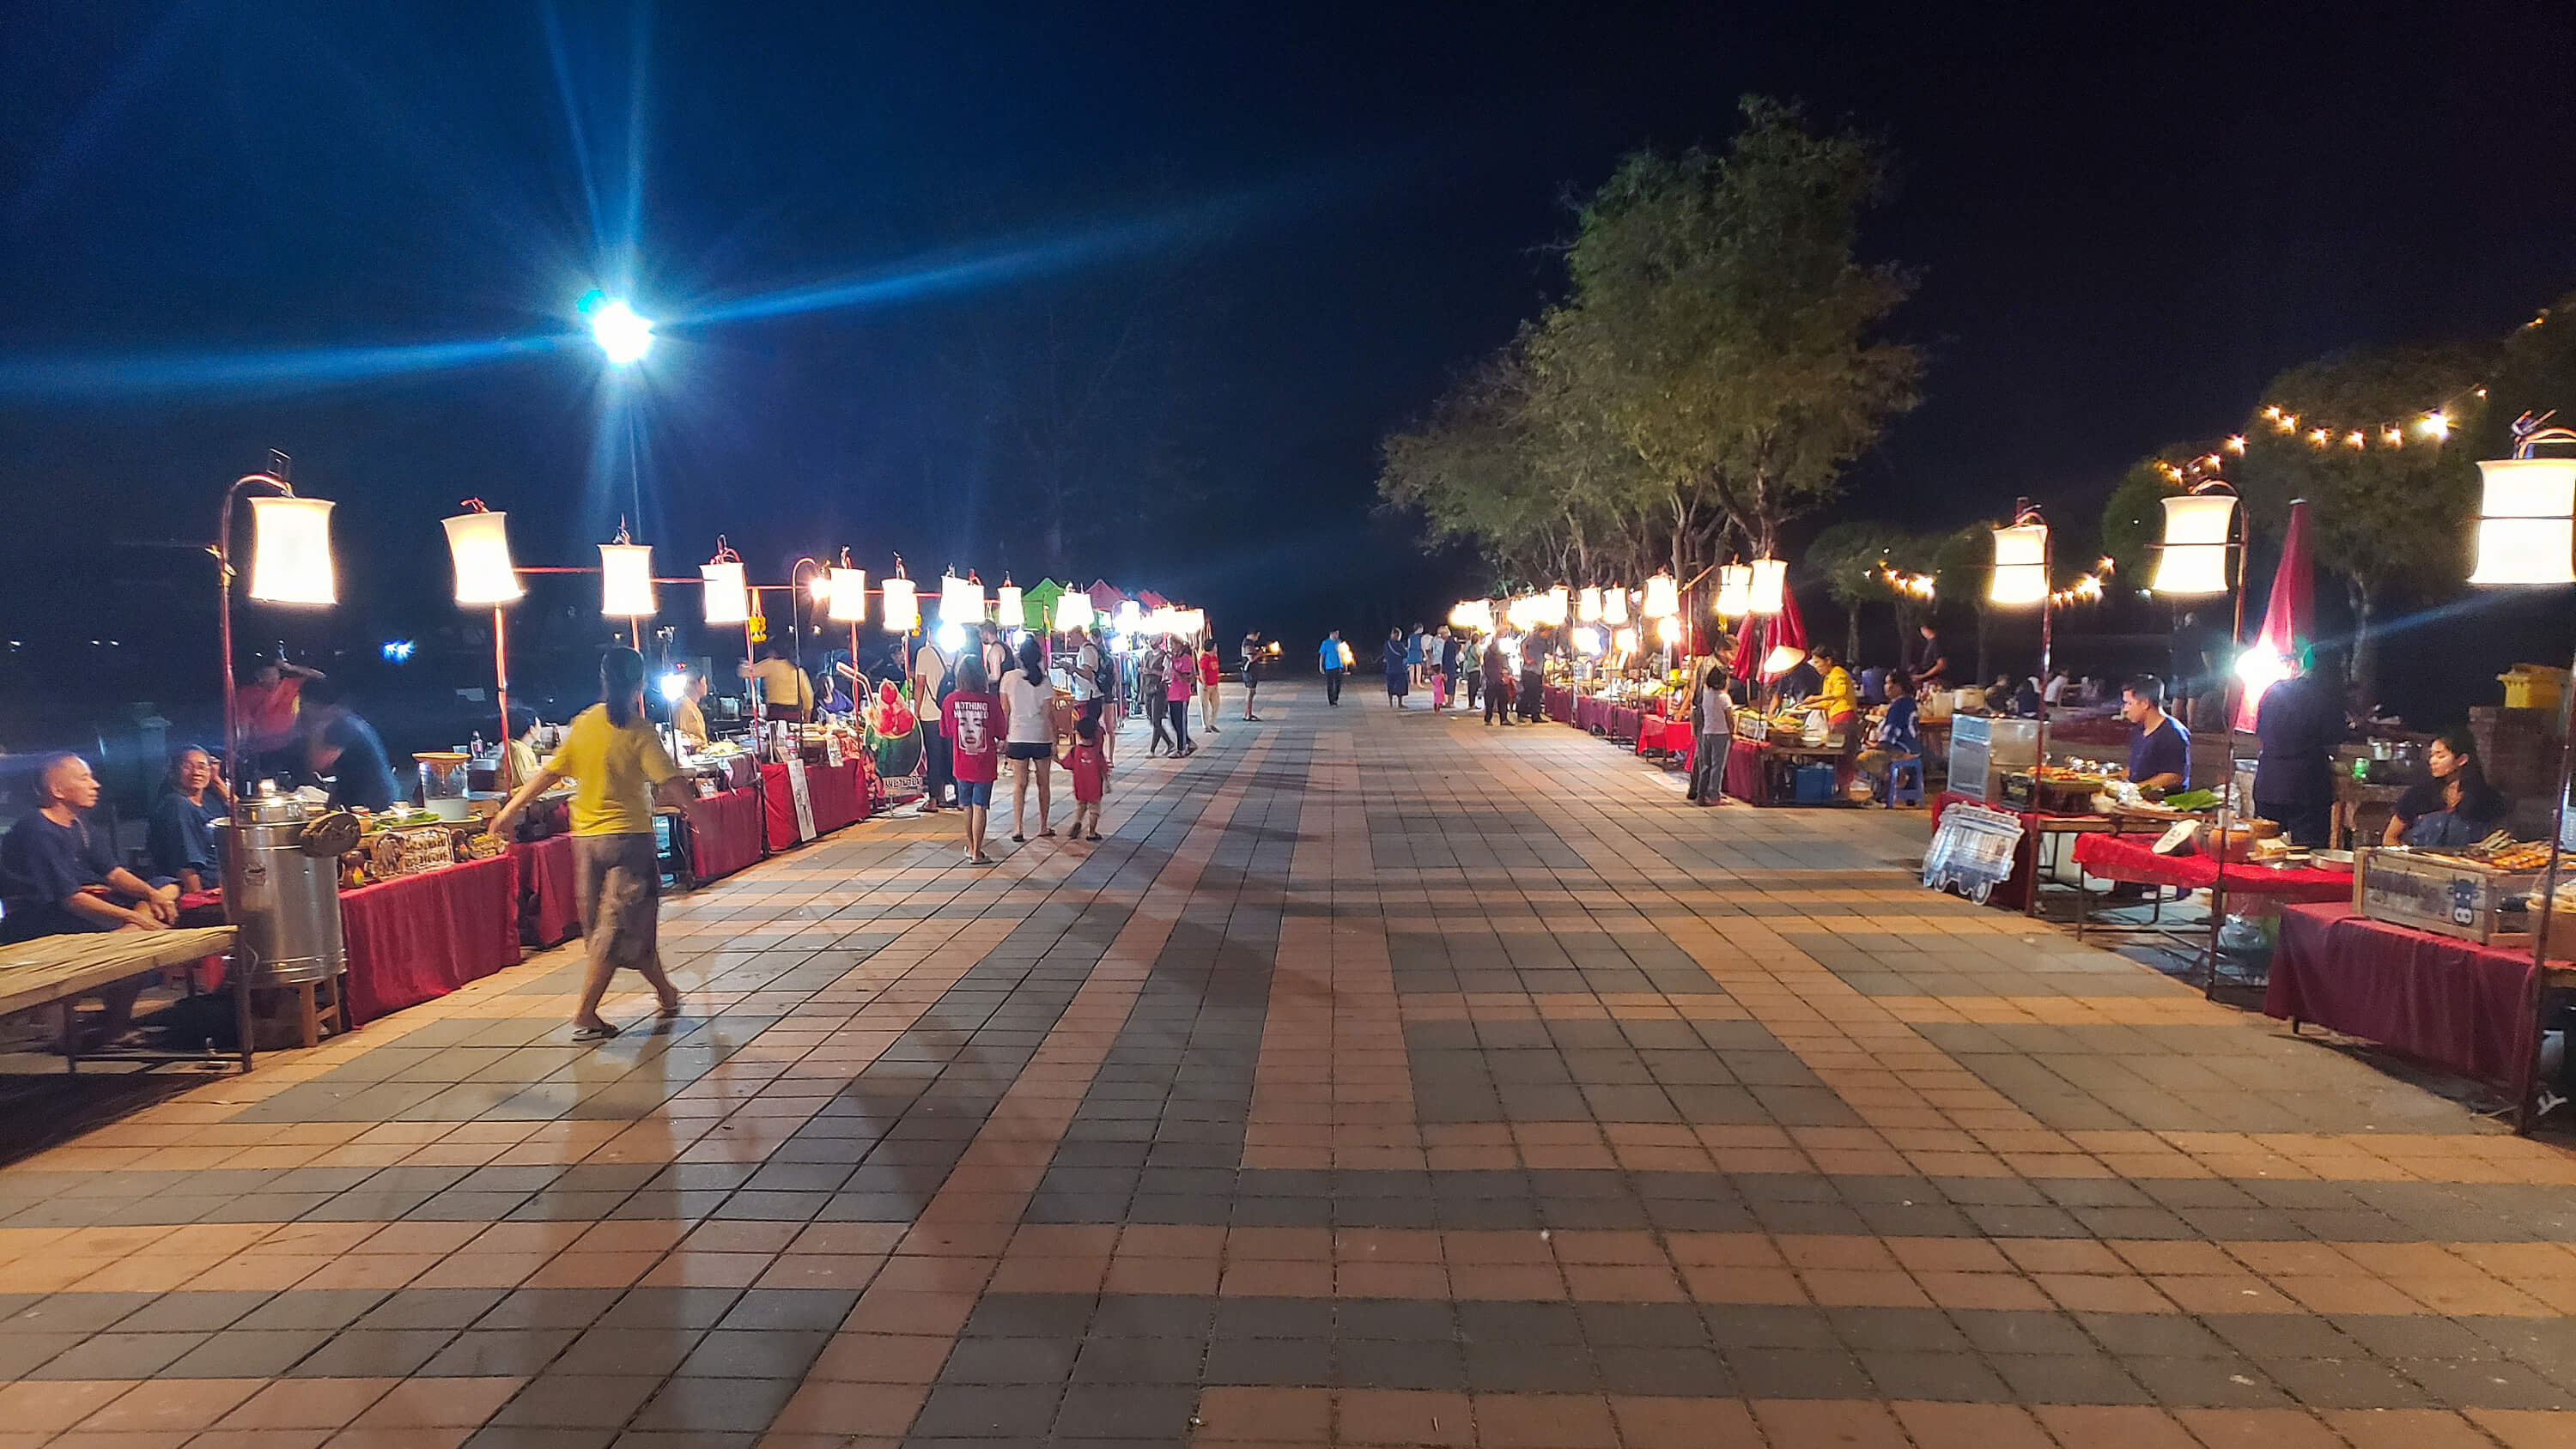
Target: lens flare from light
623,336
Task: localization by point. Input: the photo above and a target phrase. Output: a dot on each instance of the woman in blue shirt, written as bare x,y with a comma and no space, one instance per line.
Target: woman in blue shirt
181,838
2453,805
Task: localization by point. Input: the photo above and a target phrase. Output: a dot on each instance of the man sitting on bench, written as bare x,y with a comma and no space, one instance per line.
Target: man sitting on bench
59,877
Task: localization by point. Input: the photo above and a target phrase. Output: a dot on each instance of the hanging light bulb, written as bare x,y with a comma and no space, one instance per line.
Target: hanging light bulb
478,544
902,606
2524,527
1008,611
626,580
1624,641
290,560
2194,560
2021,565
1663,597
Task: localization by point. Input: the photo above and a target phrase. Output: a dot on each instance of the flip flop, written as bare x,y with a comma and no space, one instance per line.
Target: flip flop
1043,834
1095,835
1019,839
670,1012
601,1032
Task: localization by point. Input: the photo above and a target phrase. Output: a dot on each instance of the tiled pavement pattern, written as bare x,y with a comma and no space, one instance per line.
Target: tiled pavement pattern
1383,1080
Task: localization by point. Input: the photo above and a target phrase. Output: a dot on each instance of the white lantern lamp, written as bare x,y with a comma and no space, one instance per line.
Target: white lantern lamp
847,602
2193,562
728,594
1768,589
2021,566
478,544
961,601
902,605
1008,610
1587,604
1735,591
1663,597
2526,521
290,564
626,582
1073,611
1614,607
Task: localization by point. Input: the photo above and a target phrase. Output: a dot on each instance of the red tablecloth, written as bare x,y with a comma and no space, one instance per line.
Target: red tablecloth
1622,723
425,935
549,913
2132,858
1560,703
838,794
1673,736
778,807
724,834
1744,778
2451,1004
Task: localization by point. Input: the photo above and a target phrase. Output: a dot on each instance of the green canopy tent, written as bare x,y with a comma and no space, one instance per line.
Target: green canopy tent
1040,601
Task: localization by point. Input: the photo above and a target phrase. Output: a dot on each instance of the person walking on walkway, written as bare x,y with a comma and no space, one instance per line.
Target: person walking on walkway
1453,658
972,720
1498,682
1152,671
1028,732
1180,680
1252,662
1400,663
1413,654
618,768
1332,659
1533,679
1211,669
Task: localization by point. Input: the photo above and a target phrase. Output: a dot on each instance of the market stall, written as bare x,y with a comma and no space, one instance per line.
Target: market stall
1673,737
2456,1005
420,936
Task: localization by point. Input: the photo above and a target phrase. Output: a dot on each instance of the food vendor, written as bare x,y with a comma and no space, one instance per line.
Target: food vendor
688,717
2299,724
271,701
2160,753
519,752
1835,693
2453,805
1931,661
181,837
789,693
341,745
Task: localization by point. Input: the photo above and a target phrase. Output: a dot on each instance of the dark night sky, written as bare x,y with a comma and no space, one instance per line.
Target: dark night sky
1319,213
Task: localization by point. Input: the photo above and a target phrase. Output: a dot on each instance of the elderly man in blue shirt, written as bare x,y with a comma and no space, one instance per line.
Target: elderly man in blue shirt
59,877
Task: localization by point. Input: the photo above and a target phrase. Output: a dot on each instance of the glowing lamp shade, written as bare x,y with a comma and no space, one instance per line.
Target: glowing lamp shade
290,561
728,598
1589,641
1008,610
961,601
479,545
1474,615
1625,641
848,601
1587,604
1781,660
1073,611
1663,597
1668,628
2021,565
902,606
2195,555
1556,601
1735,591
2524,525
1131,617
626,580
1769,588
1614,607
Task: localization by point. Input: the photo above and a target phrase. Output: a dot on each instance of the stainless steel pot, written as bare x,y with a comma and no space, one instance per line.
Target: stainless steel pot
283,899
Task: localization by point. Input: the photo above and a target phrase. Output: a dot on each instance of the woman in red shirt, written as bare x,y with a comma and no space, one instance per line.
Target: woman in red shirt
1209,669
1176,697
971,718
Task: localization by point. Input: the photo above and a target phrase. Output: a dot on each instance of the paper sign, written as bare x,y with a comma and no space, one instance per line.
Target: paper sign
2176,836
804,802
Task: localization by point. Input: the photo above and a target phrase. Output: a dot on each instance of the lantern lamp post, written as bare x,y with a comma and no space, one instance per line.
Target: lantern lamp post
478,544
290,564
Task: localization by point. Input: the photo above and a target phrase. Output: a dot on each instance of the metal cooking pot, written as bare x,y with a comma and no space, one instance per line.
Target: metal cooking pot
282,891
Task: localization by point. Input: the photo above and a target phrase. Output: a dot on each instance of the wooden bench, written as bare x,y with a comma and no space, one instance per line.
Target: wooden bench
52,969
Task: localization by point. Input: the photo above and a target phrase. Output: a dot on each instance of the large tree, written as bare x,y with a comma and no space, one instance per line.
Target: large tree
2384,516
1713,367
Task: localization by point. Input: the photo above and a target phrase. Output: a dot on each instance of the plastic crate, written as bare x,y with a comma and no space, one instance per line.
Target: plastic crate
1815,785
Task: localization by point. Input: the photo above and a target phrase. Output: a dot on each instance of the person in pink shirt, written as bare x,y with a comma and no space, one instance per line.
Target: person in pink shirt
1176,697
1210,670
1090,770
971,718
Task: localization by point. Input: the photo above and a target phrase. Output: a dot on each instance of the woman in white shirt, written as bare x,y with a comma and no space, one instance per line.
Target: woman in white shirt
1028,735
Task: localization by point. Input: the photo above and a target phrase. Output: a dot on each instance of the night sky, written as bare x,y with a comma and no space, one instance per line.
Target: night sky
1284,229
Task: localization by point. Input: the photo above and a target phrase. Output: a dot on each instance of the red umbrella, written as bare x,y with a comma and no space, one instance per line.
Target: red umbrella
2289,618
1763,633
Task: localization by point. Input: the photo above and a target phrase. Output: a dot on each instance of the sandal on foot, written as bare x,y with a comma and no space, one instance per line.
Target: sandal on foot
601,1032
1044,834
1095,835
1018,838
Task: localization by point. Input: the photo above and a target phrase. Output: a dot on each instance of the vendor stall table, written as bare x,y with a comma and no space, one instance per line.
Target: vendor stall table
724,834
2132,858
2470,1010
422,936
2361,810
1674,737
549,913
2035,856
1760,773
1560,703
839,795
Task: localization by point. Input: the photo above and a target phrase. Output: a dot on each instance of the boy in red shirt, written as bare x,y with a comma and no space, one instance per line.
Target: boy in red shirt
971,718
1090,779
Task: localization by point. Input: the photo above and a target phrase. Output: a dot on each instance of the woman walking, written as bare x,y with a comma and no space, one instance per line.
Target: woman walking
1211,669
1400,665
1028,729
1183,679
618,768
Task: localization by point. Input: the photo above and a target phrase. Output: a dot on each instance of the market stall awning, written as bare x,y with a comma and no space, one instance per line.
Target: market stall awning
1104,598
1040,601
1152,600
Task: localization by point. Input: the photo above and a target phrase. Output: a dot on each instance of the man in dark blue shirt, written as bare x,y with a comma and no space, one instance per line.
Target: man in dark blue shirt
60,877
2160,753
343,747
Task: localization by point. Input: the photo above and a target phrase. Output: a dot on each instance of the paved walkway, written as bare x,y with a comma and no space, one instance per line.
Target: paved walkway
1383,1080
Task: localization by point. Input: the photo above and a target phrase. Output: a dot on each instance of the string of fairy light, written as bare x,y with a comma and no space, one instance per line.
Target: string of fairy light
1925,587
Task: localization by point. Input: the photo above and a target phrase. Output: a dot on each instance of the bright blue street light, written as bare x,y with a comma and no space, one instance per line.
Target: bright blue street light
622,336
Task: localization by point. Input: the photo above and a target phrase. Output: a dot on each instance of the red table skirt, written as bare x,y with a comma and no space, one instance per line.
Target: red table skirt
423,936
778,807
1560,704
2131,858
1743,779
2451,1004
839,796
549,911
724,834
1673,736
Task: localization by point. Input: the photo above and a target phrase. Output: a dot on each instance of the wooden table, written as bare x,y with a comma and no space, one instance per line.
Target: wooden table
51,969
2352,800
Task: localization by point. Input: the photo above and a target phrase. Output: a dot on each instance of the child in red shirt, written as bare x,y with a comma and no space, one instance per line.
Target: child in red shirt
1090,779
971,718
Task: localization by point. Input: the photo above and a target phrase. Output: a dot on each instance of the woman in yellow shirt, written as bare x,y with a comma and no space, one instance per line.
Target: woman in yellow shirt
617,766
